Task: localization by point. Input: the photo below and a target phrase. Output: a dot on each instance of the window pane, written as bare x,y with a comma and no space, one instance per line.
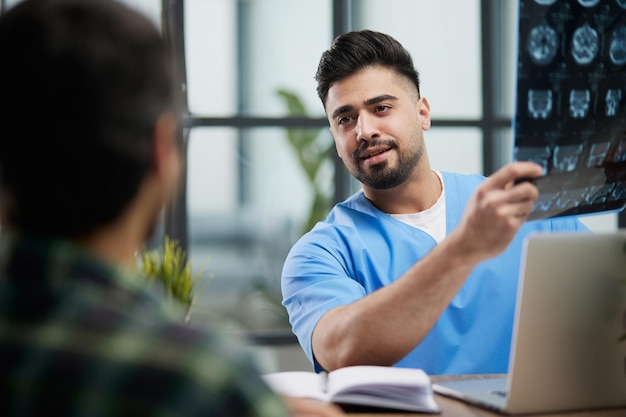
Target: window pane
505,50
601,223
283,42
455,149
212,164
280,44
503,145
151,8
443,37
211,54
248,204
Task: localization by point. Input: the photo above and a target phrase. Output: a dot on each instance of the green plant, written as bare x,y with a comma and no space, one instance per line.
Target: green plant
169,265
312,154
274,300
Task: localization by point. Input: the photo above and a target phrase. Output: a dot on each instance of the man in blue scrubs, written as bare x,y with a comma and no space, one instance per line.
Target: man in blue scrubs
419,268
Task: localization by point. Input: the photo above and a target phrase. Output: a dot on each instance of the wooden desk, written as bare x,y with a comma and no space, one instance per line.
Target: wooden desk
455,408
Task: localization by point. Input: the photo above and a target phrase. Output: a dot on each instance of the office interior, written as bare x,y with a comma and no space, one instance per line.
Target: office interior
260,160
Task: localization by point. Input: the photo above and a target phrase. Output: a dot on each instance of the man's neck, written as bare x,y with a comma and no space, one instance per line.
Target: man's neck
111,248
418,193
117,242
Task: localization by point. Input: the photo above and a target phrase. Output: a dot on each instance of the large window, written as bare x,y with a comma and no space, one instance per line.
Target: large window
249,197
248,193
254,127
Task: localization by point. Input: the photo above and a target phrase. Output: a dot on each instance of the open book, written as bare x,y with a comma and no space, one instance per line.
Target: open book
373,386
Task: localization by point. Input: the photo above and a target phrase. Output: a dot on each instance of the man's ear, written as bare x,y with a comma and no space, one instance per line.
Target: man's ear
165,149
423,108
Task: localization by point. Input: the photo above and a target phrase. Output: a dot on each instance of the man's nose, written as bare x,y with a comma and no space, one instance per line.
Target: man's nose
366,127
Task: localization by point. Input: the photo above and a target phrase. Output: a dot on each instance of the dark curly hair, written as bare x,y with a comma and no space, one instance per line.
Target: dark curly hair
353,51
82,84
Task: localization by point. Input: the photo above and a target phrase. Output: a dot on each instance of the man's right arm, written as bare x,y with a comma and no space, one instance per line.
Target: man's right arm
384,326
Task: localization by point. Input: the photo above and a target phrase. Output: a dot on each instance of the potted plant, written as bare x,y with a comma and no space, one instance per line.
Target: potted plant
169,266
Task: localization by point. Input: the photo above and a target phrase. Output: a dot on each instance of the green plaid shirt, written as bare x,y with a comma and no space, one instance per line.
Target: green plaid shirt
82,338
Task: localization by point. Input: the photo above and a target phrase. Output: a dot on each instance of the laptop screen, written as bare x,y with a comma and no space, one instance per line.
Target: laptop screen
571,103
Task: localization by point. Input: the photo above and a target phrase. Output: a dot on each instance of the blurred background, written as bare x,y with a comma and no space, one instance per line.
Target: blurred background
260,161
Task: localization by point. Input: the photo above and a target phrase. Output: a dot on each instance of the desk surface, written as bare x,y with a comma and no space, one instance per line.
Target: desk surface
455,408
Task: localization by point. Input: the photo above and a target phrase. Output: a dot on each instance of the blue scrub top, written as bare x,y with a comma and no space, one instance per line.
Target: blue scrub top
359,249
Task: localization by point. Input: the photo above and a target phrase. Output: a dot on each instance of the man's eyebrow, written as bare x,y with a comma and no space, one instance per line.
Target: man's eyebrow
342,109
347,108
378,99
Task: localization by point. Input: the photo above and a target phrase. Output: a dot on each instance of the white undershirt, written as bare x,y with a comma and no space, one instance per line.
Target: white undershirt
431,220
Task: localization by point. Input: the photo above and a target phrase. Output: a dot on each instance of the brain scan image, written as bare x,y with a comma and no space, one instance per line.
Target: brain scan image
579,103
540,103
597,154
543,44
537,154
617,50
585,44
618,153
570,114
546,201
619,191
613,98
566,158
603,194
588,3
592,193
567,199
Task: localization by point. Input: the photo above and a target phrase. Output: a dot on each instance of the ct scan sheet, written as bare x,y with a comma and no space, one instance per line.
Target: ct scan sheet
571,103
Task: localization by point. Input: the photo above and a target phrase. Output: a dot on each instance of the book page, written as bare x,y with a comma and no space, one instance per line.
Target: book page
381,386
296,384
380,376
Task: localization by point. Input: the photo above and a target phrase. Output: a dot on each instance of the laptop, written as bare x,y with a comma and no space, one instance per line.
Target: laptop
571,103
568,350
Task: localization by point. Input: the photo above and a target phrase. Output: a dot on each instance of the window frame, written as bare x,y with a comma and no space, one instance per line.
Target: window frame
490,123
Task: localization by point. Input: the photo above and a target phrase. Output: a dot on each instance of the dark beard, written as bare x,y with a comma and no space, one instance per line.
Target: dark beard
381,177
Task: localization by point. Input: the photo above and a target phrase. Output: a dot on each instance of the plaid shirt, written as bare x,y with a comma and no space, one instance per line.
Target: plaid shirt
81,338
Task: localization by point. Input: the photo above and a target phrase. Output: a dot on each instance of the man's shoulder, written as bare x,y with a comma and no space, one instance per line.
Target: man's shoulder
66,304
355,211
113,356
461,180
357,206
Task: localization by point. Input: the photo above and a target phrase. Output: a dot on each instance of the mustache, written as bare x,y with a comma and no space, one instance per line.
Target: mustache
364,146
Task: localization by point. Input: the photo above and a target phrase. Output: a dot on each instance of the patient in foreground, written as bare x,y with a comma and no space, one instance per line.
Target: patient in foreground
88,158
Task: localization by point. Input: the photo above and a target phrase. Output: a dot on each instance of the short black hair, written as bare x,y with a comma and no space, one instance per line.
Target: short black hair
82,84
353,51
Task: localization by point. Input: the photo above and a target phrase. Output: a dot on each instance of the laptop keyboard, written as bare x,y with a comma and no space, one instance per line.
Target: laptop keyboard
499,393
